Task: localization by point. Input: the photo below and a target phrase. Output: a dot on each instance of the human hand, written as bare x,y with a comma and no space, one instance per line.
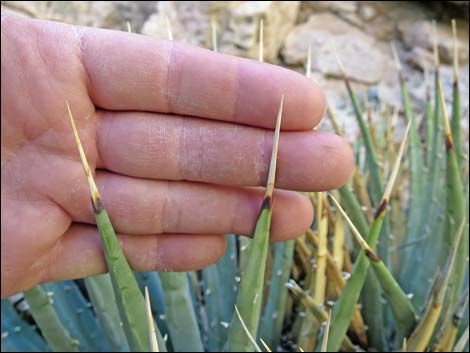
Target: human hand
179,137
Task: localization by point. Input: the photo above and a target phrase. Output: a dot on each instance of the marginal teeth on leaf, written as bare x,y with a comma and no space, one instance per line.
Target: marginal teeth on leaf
256,298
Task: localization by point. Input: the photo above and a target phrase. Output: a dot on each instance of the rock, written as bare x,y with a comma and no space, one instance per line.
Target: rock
367,12
342,6
362,61
319,29
103,14
420,34
237,24
326,34
335,6
353,18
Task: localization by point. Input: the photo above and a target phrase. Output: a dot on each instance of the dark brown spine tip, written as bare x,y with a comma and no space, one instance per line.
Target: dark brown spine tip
97,204
346,81
381,209
372,256
267,203
449,142
401,79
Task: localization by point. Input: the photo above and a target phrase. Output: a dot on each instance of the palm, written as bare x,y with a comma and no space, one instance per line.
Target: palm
39,159
160,175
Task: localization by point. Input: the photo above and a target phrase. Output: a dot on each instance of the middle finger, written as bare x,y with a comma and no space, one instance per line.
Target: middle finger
170,147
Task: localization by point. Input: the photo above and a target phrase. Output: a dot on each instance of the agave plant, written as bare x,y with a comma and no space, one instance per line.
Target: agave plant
344,285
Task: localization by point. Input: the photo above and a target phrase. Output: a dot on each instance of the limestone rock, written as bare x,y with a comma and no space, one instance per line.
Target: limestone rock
343,6
237,24
103,14
367,12
326,33
335,6
420,34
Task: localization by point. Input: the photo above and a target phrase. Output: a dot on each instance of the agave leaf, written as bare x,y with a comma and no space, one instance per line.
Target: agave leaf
448,334
456,106
346,304
462,342
100,290
402,309
17,334
76,315
430,248
372,159
319,313
130,301
47,319
353,208
415,159
243,246
429,119
336,283
310,325
372,312
213,305
349,200
455,210
152,281
344,307
228,270
179,312
251,286
274,312
421,336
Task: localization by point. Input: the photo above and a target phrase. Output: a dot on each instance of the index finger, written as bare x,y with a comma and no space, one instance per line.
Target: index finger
135,72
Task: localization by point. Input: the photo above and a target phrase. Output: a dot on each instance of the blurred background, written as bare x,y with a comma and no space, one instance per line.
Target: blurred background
359,31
